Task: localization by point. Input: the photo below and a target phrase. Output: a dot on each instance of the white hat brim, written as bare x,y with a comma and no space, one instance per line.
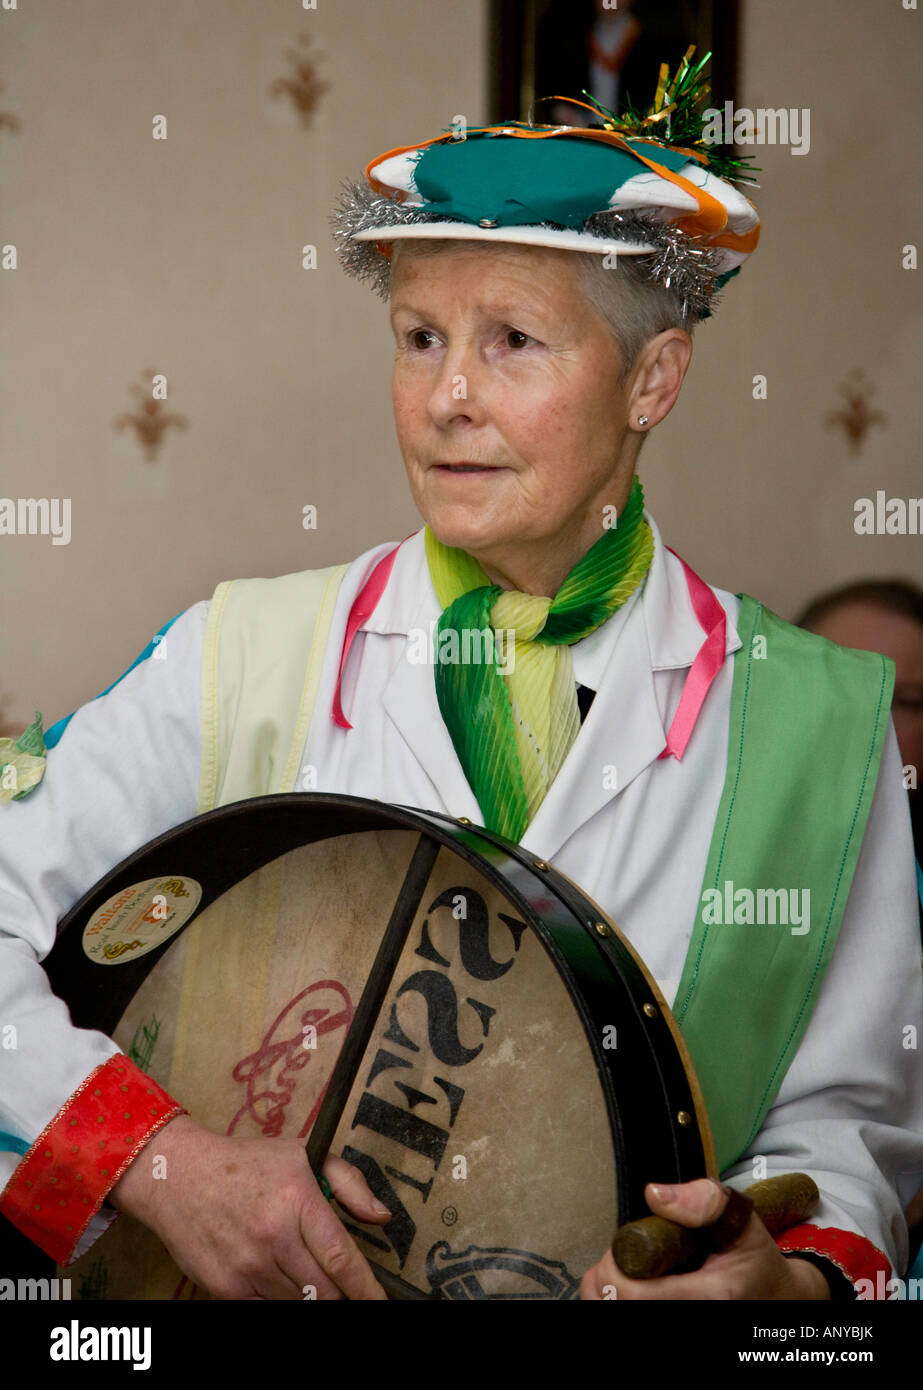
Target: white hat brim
561,238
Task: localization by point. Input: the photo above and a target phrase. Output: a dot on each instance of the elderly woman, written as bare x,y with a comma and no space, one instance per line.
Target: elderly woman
657,739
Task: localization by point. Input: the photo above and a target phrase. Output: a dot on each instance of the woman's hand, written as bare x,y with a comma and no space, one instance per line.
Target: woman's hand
752,1267
244,1218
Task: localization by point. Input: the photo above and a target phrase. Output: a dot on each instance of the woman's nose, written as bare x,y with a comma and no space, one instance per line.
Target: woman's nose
458,388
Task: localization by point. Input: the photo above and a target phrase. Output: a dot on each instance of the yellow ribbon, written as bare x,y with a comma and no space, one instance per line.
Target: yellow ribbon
542,691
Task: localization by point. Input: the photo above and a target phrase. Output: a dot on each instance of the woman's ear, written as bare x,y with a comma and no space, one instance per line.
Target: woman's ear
658,376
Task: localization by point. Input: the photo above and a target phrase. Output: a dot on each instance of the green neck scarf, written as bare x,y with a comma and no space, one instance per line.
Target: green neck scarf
504,674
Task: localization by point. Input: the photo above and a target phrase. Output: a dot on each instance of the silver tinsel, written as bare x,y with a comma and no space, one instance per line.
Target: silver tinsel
358,209
680,263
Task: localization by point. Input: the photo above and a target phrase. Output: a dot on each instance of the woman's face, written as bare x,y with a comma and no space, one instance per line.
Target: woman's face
508,408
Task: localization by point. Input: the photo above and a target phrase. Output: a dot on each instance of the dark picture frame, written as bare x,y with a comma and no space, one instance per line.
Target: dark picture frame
536,44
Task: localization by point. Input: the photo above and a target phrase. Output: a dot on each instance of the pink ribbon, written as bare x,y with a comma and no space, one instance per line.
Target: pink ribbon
363,607
709,660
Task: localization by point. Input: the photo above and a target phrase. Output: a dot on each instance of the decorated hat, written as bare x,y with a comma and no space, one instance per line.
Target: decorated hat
635,184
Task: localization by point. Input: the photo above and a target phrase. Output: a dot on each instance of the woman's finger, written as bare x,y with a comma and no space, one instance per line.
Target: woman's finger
352,1191
337,1254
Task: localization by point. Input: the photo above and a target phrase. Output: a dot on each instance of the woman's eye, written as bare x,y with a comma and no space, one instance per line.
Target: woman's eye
416,335
420,339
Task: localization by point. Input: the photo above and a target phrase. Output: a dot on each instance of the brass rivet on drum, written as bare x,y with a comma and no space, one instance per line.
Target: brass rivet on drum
651,1013
463,820
601,928
541,865
683,1117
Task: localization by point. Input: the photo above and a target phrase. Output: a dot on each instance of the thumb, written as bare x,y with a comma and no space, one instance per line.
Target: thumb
697,1203
352,1191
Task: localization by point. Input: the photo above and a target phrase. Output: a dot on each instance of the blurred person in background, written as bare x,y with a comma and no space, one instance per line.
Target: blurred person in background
885,615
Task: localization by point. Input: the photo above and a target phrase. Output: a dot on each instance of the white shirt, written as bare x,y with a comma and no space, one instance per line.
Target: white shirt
850,1109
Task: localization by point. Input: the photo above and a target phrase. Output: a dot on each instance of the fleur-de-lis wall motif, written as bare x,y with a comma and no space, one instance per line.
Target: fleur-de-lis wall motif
151,420
856,418
302,87
8,121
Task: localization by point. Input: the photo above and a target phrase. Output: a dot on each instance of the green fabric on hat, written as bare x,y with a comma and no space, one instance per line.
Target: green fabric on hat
674,160
521,182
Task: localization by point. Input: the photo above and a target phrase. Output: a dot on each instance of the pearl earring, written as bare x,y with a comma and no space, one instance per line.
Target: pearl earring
642,419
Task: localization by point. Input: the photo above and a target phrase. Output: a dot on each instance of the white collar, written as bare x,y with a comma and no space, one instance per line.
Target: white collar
674,634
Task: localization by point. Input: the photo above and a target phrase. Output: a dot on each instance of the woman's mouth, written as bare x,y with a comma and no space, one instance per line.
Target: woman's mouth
466,468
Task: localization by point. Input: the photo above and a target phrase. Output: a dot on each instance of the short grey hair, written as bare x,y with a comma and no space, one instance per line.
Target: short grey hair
635,307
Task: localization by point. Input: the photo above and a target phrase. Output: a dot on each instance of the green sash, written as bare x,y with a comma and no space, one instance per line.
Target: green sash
807,728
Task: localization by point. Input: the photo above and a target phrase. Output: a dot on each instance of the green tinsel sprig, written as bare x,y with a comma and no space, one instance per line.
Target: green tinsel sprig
675,119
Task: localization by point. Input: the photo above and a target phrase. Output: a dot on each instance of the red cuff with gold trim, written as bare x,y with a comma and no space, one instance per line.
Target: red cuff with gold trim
854,1256
79,1157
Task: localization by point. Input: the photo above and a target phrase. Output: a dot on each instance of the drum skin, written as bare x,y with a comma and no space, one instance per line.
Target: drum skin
513,1076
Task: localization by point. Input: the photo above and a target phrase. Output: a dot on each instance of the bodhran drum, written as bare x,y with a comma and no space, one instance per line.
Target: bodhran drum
407,990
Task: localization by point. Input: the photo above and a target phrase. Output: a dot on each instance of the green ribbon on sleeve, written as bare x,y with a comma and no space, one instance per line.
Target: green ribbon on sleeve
22,762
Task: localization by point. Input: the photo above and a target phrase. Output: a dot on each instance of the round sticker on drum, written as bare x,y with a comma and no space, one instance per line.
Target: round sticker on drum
139,919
